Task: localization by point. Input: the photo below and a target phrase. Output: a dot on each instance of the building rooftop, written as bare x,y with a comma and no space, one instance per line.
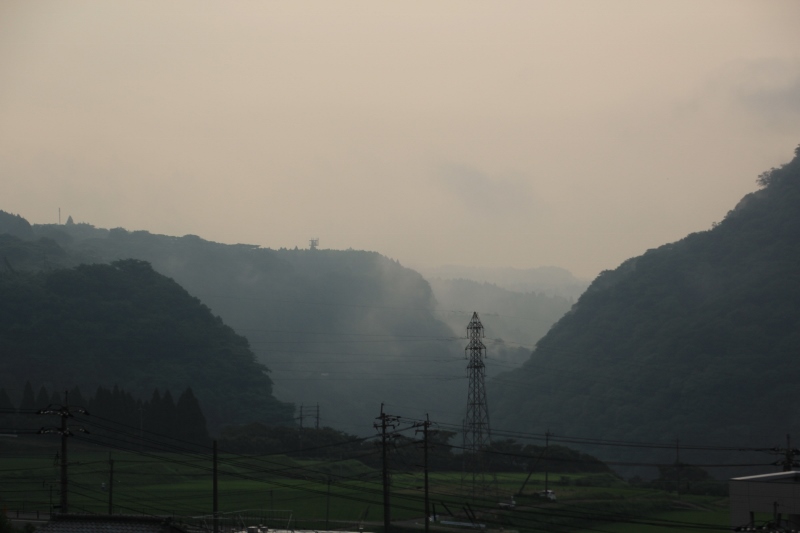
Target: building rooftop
792,476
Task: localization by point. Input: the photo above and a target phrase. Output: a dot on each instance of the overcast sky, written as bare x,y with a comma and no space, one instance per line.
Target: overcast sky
567,133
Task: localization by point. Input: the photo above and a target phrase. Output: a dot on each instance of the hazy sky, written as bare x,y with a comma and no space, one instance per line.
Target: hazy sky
568,133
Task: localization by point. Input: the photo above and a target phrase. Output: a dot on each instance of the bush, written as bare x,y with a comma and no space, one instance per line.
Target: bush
599,480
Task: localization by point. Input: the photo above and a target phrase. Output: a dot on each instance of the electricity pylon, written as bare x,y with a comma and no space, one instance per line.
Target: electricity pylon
477,435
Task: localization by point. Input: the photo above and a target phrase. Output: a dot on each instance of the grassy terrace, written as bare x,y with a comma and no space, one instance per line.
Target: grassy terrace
282,492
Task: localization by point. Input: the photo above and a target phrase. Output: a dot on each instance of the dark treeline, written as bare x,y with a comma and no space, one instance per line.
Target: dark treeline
508,455
112,412
406,452
685,479
330,444
114,415
126,324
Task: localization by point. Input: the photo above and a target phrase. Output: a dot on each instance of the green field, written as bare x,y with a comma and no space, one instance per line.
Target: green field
671,522
282,492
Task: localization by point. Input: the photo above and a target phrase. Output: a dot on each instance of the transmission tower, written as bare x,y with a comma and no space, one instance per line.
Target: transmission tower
477,435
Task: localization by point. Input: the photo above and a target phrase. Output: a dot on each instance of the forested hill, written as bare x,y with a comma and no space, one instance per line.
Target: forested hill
697,340
124,324
345,330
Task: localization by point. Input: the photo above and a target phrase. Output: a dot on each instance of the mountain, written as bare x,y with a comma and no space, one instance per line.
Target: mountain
548,280
15,226
124,324
341,331
697,339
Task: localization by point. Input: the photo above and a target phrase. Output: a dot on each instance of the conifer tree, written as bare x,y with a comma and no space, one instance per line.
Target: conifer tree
117,406
57,398
6,412
191,422
43,398
168,415
26,419
76,398
101,403
129,410
151,413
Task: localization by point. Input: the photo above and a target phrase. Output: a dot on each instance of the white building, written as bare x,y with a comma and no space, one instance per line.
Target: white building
766,499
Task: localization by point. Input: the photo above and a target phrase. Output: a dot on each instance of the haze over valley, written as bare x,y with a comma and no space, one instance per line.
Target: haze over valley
340,331
343,332
330,236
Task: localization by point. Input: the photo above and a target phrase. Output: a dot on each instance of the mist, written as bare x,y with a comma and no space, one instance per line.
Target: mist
523,134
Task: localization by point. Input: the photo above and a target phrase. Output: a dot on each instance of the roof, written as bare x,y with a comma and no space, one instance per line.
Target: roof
70,523
774,477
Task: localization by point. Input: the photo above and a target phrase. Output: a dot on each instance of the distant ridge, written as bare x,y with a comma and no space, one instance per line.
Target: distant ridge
549,280
15,226
518,318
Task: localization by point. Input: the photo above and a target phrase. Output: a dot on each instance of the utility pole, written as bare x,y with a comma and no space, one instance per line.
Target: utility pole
110,485
546,464
532,466
788,461
64,411
64,477
425,426
477,436
215,497
678,468
300,434
312,412
328,507
385,422
789,455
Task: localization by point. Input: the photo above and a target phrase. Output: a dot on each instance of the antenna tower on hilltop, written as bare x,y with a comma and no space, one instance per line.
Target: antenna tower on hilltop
313,244
477,435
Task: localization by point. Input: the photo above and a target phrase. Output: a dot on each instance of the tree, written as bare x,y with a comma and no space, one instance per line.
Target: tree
27,407
766,178
43,398
76,398
167,415
190,420
5,524
6,412
57,398
692,479
101,404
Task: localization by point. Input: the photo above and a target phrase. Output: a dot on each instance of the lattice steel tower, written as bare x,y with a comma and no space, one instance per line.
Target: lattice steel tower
477,435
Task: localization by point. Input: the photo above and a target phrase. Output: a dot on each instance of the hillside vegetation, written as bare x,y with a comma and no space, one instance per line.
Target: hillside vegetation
124,324
698,339
345,330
